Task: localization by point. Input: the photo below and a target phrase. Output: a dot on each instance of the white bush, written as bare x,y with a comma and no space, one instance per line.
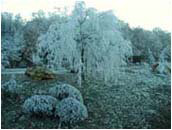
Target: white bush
71,111
11,85
64,91
40,105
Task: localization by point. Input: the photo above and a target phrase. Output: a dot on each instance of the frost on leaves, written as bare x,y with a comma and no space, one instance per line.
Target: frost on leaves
89,41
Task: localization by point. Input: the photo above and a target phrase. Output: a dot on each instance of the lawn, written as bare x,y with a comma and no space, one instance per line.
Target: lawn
140,99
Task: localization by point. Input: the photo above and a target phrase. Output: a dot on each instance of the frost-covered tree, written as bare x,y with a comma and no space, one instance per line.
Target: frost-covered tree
144,41
151,59
11,49
89,40
12,39
125,29
165,40
7,27
31,32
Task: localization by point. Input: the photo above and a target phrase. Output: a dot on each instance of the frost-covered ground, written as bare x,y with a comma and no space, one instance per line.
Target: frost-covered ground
141,99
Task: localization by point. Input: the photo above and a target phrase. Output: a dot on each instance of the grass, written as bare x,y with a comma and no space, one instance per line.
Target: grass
139,100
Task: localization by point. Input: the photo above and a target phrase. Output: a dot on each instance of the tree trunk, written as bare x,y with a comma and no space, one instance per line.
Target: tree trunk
79,74
82,62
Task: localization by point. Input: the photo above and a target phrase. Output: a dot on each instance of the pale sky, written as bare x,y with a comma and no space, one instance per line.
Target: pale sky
144,13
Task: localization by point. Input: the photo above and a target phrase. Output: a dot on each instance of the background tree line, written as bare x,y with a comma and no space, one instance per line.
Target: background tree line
20,37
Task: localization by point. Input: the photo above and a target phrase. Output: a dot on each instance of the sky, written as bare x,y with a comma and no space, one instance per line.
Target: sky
147,14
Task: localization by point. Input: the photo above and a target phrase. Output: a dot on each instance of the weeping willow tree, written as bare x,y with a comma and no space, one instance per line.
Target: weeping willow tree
89,40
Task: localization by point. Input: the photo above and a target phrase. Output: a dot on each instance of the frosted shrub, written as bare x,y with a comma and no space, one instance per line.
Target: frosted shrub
71,111
40,104
64,91
10,86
